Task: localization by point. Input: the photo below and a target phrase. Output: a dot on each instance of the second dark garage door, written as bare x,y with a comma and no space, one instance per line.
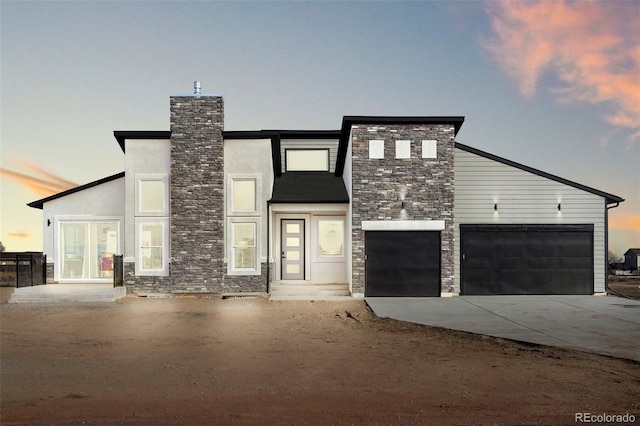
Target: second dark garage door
526,259
402,263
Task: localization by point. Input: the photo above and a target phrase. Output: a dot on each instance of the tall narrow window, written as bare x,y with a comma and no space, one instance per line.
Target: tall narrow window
244,245
151,247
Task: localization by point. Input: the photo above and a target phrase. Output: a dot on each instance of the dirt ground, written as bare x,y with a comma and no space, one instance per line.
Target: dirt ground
628,286
252,361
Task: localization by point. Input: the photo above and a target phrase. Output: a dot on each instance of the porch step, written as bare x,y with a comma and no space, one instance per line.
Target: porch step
68,293
309,291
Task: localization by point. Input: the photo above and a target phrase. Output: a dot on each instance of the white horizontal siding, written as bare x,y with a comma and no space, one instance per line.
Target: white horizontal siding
522,197
330,144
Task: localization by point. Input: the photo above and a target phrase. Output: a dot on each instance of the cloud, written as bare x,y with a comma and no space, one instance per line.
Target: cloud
44,185
625,220
20,235
592,48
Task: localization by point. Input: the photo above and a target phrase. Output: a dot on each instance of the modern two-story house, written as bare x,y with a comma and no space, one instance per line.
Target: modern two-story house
384,206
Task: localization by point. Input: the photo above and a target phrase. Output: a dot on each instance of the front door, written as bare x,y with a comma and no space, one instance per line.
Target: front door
292,249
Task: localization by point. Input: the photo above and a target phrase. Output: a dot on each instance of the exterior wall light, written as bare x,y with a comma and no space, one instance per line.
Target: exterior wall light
559,207
495,207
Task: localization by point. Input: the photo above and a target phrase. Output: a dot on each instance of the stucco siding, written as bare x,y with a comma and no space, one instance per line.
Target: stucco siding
149,156
252,157
102,201
490,192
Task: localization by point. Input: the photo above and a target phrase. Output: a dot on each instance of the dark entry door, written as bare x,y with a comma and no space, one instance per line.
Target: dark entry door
402,263
526,259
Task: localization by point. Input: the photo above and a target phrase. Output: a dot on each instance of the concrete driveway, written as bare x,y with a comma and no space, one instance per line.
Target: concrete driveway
600,324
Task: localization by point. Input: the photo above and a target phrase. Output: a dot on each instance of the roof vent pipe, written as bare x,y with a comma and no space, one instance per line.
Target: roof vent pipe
196,87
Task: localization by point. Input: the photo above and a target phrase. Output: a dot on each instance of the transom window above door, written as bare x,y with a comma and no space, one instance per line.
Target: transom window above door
307,160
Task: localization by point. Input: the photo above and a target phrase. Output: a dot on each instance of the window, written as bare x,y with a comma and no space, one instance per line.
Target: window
244,196
376,149
307,160
244,253
86,249
244,245
151,246
152,237
331,238
152,198
403,149
429,149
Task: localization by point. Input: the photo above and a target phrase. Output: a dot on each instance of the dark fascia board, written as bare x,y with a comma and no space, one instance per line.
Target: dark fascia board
40,203
276,136
121,135
609,197
350,120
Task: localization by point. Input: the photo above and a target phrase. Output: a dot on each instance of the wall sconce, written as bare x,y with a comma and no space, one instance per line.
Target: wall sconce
559,207
402,204
495,207
48,222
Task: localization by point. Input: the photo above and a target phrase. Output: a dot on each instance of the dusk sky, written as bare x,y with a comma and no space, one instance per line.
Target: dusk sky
553,85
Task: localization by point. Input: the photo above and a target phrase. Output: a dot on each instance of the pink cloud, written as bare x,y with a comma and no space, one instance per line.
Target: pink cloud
592,48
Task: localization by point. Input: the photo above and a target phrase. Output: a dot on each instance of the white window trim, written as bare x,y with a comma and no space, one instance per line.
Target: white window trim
164,271
316,240
403,149
165,196
57,223
376,149
229,192
231,269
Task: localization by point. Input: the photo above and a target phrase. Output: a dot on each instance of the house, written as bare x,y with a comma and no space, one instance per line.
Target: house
384,206
632,259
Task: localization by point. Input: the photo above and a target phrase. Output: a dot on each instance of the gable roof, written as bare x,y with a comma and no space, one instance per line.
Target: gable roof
609,197
40,203
309,187
633,251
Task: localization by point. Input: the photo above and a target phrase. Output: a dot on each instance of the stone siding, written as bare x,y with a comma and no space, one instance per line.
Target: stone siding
197,194
378,185
248,283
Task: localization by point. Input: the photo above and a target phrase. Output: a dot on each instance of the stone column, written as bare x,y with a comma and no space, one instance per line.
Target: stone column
197,193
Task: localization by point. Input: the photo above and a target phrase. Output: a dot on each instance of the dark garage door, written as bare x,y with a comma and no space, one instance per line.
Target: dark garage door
526,259
402,263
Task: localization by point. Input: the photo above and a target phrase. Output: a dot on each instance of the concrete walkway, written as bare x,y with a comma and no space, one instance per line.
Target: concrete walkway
600,324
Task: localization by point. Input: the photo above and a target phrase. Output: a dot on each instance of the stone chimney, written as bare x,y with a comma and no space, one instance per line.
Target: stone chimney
197,192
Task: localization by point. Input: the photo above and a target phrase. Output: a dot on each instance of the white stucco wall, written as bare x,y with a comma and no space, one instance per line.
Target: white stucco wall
143,156
101,202
347,176
252,157
522,198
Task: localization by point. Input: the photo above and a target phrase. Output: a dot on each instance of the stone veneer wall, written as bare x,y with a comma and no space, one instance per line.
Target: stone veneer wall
50,277
377,184
248,283
197,194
